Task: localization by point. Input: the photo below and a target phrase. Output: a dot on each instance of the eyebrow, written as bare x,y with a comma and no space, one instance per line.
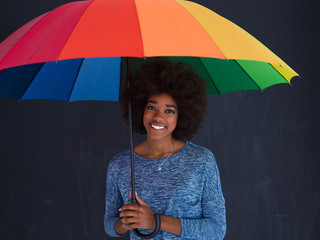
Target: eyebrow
167,105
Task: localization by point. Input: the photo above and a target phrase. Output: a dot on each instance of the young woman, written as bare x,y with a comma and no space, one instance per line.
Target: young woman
174,177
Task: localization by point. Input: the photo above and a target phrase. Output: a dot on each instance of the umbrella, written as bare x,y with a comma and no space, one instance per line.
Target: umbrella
81,50
87,31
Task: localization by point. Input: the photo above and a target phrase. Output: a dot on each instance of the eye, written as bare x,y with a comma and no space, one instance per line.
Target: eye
170,111
151,108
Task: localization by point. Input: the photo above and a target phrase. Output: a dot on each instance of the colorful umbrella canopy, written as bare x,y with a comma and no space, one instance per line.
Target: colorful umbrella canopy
75,52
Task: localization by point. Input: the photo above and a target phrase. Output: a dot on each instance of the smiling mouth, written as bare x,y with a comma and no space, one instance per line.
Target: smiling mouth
157,127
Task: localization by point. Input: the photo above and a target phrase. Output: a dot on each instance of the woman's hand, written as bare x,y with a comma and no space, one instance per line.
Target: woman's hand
137,216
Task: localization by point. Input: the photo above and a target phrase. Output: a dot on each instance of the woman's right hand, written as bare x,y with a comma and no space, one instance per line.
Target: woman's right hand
144,220
137,215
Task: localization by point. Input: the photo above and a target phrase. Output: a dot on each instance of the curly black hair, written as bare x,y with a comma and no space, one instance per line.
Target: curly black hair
176,79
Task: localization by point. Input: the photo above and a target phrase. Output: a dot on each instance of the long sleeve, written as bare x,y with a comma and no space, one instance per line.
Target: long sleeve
213,224
113,201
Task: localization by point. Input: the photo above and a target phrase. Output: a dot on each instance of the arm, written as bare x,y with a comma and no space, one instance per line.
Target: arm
113,202
213,223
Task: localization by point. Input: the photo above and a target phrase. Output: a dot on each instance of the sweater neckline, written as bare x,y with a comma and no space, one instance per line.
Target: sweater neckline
173,155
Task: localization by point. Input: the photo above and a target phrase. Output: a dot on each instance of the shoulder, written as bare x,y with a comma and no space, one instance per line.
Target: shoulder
208,161
197,157
199,151
120,159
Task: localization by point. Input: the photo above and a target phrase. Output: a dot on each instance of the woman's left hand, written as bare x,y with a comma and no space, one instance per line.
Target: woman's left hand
137,216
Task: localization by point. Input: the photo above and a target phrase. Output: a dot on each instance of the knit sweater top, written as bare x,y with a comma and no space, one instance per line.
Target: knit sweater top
187,187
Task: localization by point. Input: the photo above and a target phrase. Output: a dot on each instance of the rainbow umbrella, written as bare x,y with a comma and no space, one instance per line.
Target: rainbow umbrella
59,50
80,50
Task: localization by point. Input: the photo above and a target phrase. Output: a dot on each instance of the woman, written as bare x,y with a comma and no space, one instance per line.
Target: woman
174,177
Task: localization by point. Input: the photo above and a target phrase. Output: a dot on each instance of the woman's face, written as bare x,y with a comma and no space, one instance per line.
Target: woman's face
160,116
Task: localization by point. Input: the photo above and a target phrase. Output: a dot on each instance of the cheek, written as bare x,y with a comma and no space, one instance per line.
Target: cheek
145,117
174,122
145,114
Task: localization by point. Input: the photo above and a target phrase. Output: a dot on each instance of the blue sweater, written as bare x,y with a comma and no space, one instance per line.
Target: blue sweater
187,187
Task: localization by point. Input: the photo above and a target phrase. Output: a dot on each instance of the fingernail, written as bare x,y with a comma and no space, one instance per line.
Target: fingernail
119,209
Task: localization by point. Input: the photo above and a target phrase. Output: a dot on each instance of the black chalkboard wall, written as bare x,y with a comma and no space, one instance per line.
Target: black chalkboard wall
54,155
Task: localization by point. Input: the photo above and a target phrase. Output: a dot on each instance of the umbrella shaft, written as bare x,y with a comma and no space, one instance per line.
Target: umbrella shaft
133,190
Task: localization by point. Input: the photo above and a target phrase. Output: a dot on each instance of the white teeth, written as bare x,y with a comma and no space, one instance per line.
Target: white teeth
157,127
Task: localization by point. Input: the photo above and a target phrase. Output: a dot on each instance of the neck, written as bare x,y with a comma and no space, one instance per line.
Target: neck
160,148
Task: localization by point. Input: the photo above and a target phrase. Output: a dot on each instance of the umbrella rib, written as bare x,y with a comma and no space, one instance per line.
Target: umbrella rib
247,75
67,38
5,56
139,26
75,79
209,76
42,64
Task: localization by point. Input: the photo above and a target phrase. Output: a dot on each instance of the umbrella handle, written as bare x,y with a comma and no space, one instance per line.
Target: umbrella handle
155,231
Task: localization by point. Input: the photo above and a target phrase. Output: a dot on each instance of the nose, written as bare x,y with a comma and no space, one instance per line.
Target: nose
157,115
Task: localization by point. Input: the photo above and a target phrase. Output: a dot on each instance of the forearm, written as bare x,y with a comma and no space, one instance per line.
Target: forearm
170,224
194,228
203,228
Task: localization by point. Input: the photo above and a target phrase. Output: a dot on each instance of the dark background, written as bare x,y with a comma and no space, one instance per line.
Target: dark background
54,155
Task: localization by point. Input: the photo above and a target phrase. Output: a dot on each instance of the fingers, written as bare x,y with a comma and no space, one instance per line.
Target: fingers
140,201
137,215
128,220
129,224
130,214
128,227
129,207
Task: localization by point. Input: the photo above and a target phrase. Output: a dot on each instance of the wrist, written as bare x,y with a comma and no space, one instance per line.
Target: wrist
171,224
